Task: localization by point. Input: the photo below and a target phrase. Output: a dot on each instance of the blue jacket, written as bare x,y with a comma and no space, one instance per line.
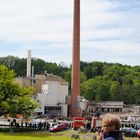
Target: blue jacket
115,135
110,138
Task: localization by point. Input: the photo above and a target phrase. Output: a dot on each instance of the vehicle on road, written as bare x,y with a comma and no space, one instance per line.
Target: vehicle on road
78,122
58,127
138,133
128,131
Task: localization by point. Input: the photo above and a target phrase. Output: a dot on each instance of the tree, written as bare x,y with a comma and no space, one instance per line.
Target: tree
115,91
8,61
13,98
87,90
97,89
82,77
118,83
88,72
97,69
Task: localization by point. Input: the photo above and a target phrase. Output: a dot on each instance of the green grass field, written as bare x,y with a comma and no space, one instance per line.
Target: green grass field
48,136
4,136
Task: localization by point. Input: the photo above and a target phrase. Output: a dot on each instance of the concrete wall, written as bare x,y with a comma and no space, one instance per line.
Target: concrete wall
38,81
53,94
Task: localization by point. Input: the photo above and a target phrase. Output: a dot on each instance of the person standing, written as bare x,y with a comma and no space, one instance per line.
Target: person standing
110,129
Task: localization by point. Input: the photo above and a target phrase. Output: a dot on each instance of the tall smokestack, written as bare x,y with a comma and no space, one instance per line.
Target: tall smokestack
75,84
29,64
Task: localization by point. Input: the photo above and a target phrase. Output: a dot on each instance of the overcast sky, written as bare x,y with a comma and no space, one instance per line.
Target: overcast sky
110,30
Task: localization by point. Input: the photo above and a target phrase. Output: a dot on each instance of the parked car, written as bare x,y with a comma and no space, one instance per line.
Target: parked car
58,127
128,131
52,124
138,133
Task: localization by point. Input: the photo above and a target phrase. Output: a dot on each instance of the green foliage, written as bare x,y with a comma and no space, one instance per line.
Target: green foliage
96,89
110,81
13,98
88,72
40,66
82,77
99,80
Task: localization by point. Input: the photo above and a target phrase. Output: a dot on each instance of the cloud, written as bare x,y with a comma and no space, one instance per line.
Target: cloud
46,28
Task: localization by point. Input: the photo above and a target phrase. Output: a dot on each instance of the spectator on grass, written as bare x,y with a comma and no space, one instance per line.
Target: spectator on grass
110,129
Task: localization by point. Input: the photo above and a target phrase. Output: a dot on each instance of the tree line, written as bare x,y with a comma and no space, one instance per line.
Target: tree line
99,81
13,98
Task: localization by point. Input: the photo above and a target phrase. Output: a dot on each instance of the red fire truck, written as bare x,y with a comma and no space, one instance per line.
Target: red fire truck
78,122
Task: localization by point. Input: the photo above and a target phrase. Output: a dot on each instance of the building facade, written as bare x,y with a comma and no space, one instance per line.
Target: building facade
105,106
52,99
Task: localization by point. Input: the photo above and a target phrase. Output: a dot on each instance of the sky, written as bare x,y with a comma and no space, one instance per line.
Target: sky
110,30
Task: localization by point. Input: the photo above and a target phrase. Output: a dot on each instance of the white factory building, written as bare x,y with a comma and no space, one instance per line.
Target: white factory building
50,91
53,99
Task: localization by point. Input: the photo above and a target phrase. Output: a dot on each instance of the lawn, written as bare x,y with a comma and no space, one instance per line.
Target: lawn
48,136
4,136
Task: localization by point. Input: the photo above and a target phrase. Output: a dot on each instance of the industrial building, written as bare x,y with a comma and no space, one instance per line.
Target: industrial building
52,99
50,91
